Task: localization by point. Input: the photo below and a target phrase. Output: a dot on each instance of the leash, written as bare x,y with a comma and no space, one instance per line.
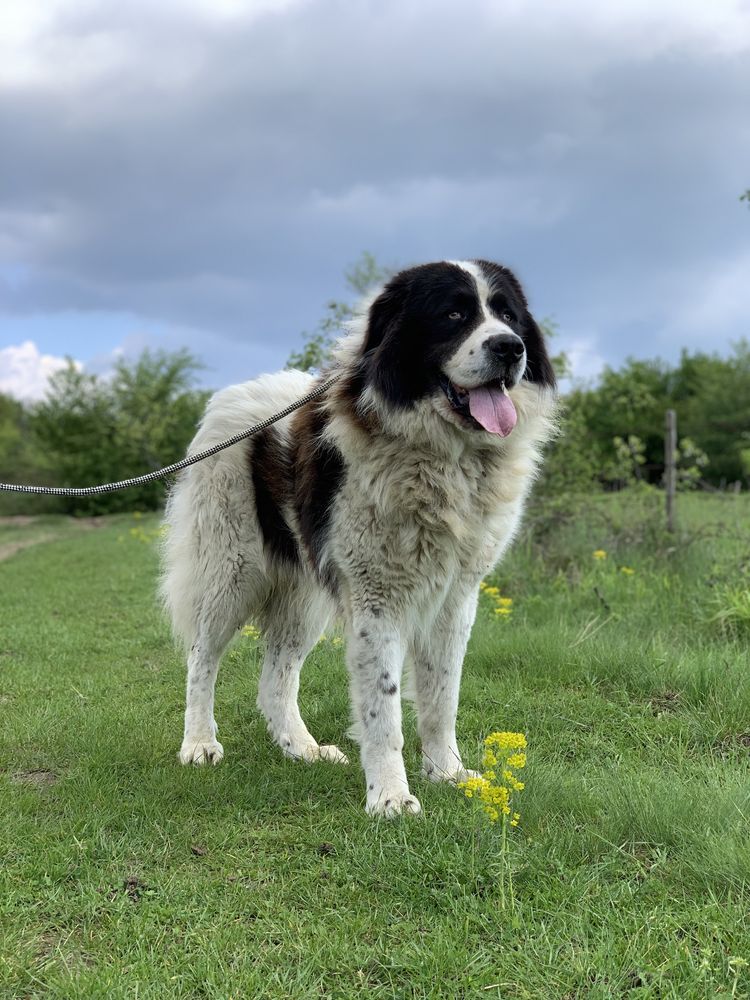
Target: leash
89,491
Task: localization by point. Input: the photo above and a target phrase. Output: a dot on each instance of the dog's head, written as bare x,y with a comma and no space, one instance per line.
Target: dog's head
460,336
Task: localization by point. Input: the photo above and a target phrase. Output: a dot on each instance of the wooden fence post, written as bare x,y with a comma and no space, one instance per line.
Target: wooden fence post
670,470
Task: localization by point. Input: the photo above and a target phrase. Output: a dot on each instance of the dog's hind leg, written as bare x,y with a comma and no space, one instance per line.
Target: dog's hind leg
293,622
199,745
220,609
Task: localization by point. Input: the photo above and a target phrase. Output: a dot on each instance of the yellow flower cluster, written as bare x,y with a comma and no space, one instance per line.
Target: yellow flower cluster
503,605
506,752
251,631
599,554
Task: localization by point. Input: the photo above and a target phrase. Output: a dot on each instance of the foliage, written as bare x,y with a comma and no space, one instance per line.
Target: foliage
96,430
21,458
729,608
613,431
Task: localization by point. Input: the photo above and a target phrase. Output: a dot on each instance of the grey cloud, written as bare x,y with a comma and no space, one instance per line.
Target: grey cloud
220,175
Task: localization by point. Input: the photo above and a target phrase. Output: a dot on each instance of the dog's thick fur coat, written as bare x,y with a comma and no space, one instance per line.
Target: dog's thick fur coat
385,502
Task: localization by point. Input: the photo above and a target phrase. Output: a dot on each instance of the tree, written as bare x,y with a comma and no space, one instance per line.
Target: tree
21,459
99,430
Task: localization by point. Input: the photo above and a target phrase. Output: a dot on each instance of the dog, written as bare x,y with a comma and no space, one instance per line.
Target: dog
384,502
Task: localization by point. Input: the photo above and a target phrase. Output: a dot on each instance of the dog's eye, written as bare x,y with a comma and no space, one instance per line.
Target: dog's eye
507,317
455,315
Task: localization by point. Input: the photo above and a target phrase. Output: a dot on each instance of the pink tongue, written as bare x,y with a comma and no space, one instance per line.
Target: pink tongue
493,409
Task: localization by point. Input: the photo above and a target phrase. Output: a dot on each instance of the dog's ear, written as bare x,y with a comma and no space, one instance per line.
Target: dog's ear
386,311
539,368
382,363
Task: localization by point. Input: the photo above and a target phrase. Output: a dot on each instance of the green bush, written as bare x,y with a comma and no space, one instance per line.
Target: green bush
94,430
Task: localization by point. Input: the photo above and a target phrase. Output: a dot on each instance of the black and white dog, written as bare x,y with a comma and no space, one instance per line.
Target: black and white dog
385,502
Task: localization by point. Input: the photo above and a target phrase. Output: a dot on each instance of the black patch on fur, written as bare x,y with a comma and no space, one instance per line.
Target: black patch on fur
271,475
320,472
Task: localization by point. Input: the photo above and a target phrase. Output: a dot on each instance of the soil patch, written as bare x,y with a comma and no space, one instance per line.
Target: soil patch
38,776
11,548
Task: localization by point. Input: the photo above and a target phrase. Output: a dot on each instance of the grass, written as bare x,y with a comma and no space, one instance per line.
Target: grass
124,875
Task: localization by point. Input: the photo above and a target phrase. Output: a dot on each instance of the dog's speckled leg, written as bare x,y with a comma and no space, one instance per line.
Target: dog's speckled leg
375,658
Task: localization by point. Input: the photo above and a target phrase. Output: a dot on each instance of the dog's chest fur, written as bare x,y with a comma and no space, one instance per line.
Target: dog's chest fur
424,522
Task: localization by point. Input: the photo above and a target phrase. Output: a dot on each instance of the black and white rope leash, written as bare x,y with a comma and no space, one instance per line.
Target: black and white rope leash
88,491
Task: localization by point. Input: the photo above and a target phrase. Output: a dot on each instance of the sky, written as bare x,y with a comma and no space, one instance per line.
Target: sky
201,173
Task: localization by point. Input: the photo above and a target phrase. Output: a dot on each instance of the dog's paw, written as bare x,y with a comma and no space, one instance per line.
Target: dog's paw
200,752
452,775
392,804
331,754
311,752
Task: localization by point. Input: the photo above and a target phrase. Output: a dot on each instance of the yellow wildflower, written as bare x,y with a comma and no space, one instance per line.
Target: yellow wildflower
493,792
492,591
506,741
600,554
503,611
251,631
505,602
627,570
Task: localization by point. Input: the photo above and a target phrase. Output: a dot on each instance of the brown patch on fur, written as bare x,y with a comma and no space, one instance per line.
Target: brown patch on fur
347,396
271,471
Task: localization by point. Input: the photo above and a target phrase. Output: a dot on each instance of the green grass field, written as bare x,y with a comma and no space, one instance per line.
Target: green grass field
124,875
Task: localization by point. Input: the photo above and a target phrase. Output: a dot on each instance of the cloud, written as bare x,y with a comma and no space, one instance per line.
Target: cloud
584,357
25,371
212,167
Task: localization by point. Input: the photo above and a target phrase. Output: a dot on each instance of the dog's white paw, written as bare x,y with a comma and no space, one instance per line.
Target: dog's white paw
392,804
311,752
331,754
452,775
200,752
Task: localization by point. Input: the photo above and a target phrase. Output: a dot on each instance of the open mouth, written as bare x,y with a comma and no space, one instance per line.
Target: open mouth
486,407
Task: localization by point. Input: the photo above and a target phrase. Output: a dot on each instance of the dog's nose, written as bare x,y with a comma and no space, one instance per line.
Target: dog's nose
507,346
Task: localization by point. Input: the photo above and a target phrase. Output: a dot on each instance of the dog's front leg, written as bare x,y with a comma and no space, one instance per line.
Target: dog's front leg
375,657
438,659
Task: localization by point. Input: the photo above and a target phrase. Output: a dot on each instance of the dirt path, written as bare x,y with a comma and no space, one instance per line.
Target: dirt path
10,548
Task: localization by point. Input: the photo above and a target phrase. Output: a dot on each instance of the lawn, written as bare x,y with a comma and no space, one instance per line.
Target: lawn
125,875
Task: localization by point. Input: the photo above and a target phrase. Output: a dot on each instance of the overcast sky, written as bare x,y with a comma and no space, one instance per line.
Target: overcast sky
201,172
